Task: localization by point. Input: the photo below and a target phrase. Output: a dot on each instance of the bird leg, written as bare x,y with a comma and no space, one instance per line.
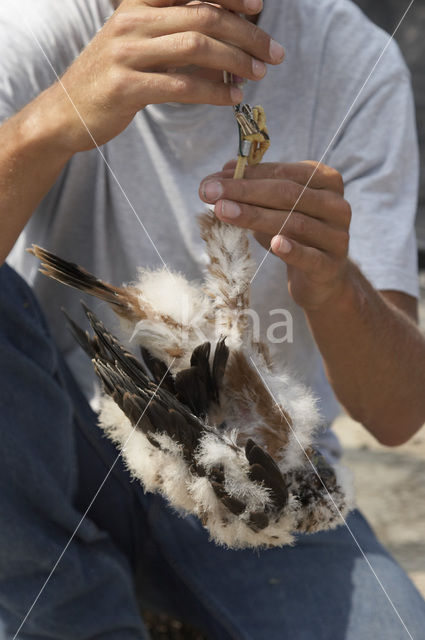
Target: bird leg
231,268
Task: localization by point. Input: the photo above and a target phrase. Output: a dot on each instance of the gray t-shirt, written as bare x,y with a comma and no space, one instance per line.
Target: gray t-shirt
160,159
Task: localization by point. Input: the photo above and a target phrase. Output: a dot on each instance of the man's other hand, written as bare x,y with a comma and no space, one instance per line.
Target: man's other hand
299,211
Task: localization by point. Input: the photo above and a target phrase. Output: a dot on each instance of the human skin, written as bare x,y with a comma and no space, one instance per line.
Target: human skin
124,68
374,354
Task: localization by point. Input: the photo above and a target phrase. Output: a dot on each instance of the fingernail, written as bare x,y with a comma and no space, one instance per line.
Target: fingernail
258,68
253,5
276,51
236,95
229,209
212,190
280,245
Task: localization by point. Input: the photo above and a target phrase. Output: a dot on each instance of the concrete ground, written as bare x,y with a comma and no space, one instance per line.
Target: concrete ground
390,484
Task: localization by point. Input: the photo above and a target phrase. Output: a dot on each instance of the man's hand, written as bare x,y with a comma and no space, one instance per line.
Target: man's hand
312,240
146,53
374,356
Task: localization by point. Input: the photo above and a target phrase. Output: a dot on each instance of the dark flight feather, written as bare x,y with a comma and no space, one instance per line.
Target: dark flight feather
264,470
258,521
156,410
247,493
158,369
77,277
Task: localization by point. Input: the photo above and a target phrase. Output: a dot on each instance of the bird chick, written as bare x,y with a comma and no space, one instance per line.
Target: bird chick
209,423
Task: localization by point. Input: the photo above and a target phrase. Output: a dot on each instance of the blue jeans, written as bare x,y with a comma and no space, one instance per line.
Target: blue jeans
131,550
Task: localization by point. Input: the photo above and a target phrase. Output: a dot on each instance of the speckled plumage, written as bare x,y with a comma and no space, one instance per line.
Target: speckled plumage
224,436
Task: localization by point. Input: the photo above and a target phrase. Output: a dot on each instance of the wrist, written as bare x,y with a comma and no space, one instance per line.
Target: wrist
44,128
347,295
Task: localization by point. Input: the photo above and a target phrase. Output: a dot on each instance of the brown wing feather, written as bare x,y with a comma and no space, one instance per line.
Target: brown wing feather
123,299
155,410
245,387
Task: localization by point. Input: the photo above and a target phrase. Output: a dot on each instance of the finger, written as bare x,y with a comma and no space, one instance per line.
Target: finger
209,20
312,174
178,87
297,226
227,171
307,259
279,194
310,232
248,7
230,164
263,238
190,47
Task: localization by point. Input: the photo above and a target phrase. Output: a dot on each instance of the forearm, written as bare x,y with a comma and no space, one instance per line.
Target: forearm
128,65
32,155
374,357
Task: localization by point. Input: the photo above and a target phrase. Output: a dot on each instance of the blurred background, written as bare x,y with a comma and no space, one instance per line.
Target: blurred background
410,37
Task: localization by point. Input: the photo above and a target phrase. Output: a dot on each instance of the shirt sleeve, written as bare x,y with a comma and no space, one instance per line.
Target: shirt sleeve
365,115
38,41
23,71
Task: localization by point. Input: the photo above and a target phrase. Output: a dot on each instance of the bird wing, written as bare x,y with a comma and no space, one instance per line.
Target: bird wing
124,300
200,435
158,407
